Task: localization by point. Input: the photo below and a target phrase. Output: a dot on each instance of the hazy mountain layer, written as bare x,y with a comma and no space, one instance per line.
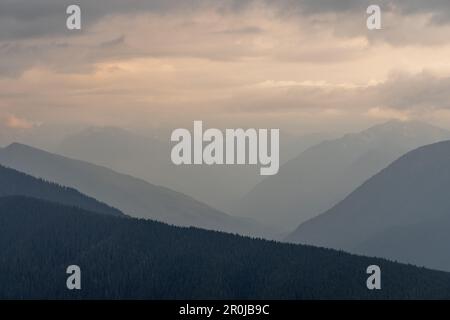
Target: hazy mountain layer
324,174
15,183
133,196
149,158
402,213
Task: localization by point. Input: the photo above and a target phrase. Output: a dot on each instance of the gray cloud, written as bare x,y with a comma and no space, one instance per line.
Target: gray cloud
404,92
21,19
422,91
24,25
240,31
114,42
25,19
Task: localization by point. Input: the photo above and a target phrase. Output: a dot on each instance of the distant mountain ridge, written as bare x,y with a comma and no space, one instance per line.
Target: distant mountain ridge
132,196
402,213
324,174
138,259
15,183
148,157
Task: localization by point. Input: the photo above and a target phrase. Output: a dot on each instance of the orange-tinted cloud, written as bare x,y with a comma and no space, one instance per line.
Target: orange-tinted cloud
14,122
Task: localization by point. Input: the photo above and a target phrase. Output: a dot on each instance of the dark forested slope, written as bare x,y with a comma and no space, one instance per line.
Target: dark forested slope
133,196
15,183
130,258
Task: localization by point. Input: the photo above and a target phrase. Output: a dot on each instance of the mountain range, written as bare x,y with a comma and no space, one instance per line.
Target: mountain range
134,197
401,213
15,183
326,173
148,157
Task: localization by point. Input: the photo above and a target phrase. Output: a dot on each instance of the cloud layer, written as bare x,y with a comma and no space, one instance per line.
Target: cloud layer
308,63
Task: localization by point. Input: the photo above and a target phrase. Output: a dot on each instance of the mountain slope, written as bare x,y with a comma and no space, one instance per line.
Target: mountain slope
133,196
15,183
148,157
403,212
138,259
324,174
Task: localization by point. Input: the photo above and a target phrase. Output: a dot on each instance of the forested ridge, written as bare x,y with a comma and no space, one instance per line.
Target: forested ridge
13,182
130,258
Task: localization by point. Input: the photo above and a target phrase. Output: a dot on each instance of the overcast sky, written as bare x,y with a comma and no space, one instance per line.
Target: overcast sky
302,65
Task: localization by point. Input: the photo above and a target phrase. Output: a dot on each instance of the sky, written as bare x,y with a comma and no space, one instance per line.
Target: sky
303,66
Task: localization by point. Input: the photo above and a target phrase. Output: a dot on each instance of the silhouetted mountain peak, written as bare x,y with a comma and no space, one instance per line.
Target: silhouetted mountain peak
399,213
21,147
396,129
16,146
324,174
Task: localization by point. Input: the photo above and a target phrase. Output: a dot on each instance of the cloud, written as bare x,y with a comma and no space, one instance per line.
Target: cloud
33,33
388,114
421,91
114,42
14,122
240,31
397,97
24,19
147,60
